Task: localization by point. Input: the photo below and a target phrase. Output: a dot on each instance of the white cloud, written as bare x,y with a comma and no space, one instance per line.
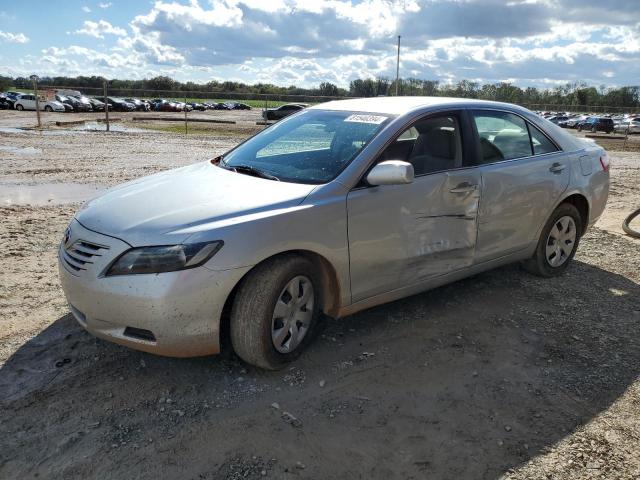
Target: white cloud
13,37
100,28
304,42
86,9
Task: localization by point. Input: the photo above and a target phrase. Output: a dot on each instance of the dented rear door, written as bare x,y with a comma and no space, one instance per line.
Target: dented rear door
400,235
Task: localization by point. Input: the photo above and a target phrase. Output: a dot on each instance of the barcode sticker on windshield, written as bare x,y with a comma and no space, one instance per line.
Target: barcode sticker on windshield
359,118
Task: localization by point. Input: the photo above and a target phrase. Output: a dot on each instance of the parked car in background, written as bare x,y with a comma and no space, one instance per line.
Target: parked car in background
236,106
596,124
282,111
75,104
198,106
161,105
87,106
11,97
348,205
98,105
572,122
4,103
181,106
558,118
629,125
119,105
28,102
141,105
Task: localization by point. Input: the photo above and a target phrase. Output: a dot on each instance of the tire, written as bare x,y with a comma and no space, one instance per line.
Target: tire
539,264
579,128
19,107
48,108
253,316
593,129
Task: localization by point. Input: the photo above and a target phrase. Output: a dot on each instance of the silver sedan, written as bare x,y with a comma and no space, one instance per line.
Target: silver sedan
337,208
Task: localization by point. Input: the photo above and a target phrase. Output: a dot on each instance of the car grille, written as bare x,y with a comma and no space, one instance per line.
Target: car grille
81,254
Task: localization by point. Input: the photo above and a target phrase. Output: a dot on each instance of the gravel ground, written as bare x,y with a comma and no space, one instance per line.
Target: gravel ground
501,375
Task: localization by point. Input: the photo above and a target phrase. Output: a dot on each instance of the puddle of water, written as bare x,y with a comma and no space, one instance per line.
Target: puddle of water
38,194
12,130
20,150
101,127
87,127
27,131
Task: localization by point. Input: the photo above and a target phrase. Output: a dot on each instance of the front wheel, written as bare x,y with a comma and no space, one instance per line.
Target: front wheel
275,312
558,242
19,108
48,108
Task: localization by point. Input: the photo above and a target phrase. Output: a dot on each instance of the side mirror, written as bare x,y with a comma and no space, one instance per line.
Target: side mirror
391,172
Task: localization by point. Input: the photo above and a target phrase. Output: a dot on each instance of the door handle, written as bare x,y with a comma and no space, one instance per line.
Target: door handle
556,168
465,187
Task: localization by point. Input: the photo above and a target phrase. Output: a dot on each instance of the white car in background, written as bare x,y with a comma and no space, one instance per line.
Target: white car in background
628,125
28,102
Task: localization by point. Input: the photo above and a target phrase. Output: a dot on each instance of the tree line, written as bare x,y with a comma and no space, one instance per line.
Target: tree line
569,94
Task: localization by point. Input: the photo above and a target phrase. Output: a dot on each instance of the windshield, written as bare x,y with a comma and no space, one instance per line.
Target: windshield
312,147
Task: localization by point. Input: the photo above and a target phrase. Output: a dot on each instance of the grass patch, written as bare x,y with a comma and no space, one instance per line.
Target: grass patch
198,129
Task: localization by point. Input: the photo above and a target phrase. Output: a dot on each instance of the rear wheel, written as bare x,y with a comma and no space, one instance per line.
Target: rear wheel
558,242
275,312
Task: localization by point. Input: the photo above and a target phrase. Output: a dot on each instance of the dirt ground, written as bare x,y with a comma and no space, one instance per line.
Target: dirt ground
503,375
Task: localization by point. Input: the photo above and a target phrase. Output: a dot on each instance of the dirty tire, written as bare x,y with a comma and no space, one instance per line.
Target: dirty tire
538,264
253,309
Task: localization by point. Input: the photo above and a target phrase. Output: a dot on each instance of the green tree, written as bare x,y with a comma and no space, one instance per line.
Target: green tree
327,89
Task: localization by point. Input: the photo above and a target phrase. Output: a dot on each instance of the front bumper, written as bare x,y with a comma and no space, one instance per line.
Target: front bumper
181,309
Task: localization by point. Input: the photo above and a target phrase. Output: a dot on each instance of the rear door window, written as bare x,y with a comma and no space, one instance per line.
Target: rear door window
503,136
506,136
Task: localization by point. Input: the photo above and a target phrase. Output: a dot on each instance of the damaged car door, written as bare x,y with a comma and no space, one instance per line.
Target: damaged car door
401,235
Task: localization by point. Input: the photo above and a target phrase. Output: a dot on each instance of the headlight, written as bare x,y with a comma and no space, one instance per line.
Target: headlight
167,258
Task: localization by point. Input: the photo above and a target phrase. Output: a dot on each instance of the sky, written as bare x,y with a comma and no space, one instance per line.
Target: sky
540,43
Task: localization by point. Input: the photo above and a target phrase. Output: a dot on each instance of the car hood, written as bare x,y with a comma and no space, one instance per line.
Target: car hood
160,208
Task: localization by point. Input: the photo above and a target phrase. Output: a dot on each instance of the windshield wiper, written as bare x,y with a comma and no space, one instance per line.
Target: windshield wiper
252,171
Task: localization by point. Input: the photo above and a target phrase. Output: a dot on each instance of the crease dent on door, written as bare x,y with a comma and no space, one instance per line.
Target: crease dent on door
401,235
450,228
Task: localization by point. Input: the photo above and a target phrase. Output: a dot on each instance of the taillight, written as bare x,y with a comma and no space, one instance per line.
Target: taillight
604,161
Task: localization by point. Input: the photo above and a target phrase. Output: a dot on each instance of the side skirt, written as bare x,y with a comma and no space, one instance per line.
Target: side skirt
434,282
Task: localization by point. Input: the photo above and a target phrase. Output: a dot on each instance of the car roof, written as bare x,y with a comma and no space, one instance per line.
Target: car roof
402,105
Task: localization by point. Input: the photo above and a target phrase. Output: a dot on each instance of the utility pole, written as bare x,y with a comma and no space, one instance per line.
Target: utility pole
106,104
34,79
398,68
